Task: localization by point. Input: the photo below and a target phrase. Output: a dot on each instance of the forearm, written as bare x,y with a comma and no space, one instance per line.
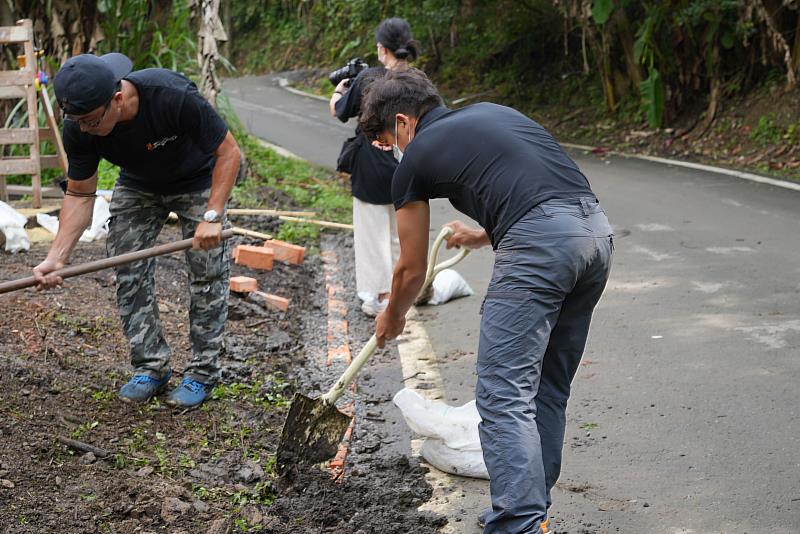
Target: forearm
482,239
335,97
74,217
406,285
223,176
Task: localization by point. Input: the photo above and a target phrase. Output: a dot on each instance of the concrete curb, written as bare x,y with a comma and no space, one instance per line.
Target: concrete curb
696,166
284,83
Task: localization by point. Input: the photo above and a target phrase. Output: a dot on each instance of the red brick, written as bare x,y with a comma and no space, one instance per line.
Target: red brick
279,303
243,284
253,257
287,252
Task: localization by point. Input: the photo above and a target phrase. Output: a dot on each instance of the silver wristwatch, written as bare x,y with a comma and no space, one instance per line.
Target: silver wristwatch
211,216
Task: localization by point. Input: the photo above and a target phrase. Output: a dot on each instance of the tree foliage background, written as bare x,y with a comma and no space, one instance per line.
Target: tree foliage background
654,58
651,59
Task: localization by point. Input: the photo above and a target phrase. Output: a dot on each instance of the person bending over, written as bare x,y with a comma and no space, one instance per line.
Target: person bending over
553,247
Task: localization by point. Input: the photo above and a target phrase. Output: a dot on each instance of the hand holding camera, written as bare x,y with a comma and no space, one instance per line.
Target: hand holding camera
347,73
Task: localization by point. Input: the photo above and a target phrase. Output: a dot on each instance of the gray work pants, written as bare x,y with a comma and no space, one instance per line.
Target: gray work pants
550,269
136,220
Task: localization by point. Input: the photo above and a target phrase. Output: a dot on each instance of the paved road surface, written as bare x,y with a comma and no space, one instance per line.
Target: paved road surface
685,415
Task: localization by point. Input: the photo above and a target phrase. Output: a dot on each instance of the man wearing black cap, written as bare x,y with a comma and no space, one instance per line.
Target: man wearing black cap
176,154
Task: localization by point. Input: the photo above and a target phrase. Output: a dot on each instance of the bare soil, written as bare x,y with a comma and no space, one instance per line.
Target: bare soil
62,359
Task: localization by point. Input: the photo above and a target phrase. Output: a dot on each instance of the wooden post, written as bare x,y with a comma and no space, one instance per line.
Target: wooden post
56,133
33,116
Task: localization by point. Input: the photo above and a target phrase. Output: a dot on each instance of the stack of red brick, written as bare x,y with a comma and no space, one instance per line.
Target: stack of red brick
262,257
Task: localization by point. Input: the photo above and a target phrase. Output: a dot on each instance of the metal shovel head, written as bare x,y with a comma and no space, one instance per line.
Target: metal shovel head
312,432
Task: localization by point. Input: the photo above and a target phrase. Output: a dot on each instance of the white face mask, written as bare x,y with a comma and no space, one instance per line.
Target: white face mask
398,154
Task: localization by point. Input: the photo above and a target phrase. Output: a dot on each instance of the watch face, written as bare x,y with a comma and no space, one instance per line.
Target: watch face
211,216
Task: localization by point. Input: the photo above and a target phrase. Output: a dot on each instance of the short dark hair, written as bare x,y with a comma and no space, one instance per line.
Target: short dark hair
395,35
408,92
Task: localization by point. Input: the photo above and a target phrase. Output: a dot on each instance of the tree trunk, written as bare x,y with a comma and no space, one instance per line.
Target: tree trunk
210,31
626,39
715,90
796,53
779,44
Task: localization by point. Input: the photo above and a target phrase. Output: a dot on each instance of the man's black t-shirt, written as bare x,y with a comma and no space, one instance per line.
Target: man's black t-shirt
492,162
168,148
373,168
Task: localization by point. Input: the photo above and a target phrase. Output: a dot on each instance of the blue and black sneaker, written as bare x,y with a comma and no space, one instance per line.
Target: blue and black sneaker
189,394
142,388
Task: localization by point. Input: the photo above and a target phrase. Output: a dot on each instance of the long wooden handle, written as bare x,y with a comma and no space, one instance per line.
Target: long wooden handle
105,263
350,373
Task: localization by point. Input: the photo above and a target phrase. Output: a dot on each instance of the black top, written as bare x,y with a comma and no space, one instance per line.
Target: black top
168,148
373,168
492,162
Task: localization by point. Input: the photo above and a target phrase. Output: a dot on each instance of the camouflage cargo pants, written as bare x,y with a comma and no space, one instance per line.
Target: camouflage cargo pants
136,220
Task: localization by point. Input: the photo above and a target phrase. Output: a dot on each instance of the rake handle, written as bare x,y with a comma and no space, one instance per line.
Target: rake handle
106,263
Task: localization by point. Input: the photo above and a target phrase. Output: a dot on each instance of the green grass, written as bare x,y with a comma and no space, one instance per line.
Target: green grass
308,186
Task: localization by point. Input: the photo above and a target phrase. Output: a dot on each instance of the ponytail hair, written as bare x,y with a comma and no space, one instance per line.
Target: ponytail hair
395,35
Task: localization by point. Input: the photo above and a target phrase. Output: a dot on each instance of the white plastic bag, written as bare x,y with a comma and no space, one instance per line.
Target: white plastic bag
466,463
12,226
449,285
97,230
100,217
48,222
452,443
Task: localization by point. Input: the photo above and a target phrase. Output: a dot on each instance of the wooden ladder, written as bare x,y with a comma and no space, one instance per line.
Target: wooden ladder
17,84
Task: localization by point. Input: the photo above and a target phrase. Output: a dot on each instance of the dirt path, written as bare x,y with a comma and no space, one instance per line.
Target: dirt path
62,358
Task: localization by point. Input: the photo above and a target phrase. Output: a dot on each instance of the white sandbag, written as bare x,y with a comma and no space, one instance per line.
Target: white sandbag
99,228
48,222
455,428
449,285
12,226
100,217
454,461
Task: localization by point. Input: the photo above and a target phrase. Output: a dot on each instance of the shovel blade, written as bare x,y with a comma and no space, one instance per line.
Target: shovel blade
311,433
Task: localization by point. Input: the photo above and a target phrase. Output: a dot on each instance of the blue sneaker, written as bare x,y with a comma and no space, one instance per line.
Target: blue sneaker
189,394
142,388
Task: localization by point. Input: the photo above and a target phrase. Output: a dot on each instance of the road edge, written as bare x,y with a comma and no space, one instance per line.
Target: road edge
743,175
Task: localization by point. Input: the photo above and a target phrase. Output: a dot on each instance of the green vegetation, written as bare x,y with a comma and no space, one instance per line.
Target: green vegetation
165,38
766,131
274,181
650,60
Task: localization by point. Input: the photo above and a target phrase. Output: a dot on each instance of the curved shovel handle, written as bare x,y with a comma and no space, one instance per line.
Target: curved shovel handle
358,362
433,268
350,373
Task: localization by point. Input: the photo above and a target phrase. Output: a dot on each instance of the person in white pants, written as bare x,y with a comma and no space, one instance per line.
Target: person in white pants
375,229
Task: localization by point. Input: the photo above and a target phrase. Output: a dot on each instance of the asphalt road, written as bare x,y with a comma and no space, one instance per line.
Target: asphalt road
685,415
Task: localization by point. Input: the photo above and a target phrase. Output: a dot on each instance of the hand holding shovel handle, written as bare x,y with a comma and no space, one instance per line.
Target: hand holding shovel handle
358,362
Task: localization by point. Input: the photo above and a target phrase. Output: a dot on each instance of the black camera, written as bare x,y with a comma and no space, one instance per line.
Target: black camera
350,70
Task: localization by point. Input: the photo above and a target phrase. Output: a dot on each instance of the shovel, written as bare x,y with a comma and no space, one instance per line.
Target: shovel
105,263
314,428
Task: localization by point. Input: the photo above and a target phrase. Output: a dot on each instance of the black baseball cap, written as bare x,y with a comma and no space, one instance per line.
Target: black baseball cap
86,82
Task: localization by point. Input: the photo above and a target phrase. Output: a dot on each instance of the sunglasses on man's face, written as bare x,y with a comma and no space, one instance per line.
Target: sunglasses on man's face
90,123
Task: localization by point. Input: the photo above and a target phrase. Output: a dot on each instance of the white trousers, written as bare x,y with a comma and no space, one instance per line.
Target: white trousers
376,247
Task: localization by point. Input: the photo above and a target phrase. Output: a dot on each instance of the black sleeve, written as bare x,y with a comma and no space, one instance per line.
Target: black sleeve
350,104
201,121
81,154
408,185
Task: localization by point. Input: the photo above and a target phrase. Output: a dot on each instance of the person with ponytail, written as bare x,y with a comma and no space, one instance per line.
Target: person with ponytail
375,228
